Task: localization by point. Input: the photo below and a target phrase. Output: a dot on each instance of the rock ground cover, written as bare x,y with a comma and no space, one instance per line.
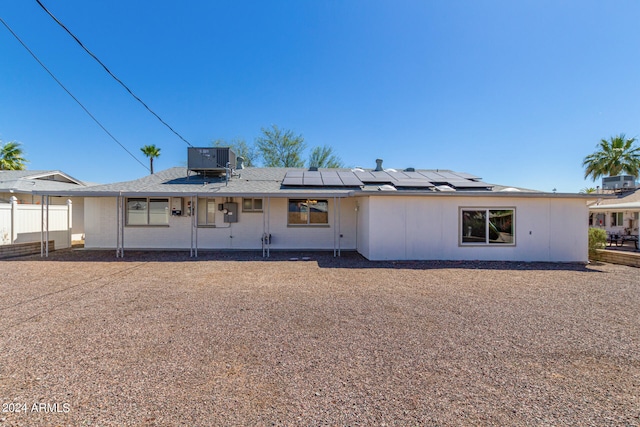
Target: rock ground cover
161,339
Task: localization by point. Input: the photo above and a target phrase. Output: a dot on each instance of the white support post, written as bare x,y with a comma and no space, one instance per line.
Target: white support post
196,226
70,221
46,243
123,222
339,229
13,231
41,226
335,228
117,226
191,214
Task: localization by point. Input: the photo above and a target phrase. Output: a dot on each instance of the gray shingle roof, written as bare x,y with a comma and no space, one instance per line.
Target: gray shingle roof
268,182
31,181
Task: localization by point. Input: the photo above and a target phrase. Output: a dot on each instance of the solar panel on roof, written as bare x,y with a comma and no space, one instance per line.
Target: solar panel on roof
467,184
331,179
451,175
465,175
397,175
292,180
416,183
432,176
312,179
374,177
349,179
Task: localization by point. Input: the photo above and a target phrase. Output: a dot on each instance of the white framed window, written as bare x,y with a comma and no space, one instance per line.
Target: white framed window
251,205
207,212
617,219
147,211
487,226
308,212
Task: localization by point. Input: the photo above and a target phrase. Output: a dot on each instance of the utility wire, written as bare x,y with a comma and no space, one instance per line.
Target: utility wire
111,74
70,94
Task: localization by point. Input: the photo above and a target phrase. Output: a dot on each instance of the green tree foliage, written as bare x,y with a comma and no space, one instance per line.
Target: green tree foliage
239,146
12,156
614,156
323,157
597,239
281,148
588,190
151,151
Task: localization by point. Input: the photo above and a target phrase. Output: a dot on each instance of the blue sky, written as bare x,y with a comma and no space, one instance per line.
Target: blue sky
515,92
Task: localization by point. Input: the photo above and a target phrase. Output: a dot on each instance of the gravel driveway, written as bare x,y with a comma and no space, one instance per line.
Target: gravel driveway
162,339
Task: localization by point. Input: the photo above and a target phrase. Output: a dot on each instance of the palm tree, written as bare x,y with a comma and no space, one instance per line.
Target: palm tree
11,157
614,156
588,190
151,151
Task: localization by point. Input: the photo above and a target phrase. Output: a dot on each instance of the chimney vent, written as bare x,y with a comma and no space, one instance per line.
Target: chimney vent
240,163
379,165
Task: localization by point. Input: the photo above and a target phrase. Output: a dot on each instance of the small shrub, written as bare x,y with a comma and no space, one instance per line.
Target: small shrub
597,239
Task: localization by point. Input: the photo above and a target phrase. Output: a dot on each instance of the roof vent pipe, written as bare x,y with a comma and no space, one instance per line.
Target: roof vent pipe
239,163
379,165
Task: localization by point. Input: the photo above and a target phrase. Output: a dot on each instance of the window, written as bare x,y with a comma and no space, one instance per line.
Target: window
308,212
207,212
147,211
487,226
251,205
617,219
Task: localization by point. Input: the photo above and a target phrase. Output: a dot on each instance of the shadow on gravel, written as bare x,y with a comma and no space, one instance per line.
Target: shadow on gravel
324,259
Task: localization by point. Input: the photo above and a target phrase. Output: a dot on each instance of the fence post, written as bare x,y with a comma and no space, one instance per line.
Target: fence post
70,221
14,214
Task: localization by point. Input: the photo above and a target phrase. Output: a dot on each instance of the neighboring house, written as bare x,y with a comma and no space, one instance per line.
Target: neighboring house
382,214
22,223
621,214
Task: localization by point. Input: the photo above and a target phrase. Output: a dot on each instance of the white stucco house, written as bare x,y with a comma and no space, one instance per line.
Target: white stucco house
384,214
21,201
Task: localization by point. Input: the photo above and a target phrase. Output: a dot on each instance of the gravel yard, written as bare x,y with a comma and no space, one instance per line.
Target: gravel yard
159,339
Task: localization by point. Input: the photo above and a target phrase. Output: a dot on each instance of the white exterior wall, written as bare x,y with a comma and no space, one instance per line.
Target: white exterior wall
628,226
362,220
428,228
101,231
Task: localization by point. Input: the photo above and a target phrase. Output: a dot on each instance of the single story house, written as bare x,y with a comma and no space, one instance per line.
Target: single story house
620,212
384,214
21,202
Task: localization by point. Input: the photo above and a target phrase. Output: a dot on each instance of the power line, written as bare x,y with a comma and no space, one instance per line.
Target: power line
110,73
70,94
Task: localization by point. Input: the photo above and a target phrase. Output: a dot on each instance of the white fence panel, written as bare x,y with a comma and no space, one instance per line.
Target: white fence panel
5,223
27,224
